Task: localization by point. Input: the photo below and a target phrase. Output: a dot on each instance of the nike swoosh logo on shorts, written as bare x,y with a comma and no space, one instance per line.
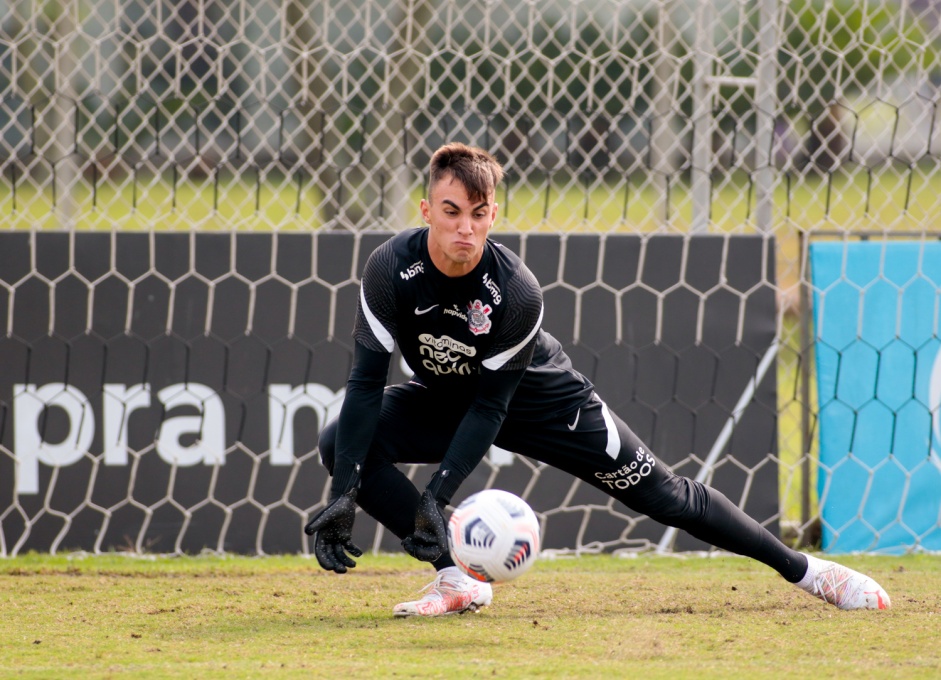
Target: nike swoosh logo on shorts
578,414
419,312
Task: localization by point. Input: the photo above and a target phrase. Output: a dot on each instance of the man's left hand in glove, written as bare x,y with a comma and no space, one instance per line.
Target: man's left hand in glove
429,540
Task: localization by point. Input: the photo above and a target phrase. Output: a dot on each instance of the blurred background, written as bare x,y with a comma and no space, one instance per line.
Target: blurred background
672,115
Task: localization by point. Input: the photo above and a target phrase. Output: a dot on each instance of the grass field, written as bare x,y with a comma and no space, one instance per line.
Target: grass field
590,617
855,199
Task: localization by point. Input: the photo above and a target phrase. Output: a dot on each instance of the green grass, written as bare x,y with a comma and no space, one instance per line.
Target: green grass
591,617
852,198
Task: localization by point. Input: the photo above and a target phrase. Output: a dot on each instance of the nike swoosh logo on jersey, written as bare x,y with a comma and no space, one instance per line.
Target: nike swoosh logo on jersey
578,414
419,312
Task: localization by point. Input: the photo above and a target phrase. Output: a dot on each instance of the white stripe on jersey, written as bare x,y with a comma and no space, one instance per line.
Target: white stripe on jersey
495,362
382,335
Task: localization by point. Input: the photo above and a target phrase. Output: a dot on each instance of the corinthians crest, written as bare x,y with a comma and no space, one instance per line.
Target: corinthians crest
478,317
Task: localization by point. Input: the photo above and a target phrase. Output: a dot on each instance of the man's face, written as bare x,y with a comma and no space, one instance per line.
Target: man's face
457,226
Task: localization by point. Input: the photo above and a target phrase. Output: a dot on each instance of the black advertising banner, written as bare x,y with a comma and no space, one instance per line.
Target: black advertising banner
163,392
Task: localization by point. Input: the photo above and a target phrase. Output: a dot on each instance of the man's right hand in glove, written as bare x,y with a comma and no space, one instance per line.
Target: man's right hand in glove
332,531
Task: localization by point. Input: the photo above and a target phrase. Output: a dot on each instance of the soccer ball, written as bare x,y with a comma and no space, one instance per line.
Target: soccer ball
493,536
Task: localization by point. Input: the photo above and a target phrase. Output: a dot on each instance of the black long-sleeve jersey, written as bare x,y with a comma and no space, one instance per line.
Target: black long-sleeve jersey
475,339
448,329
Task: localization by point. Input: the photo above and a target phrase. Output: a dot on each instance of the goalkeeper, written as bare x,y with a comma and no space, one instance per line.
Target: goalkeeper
466,314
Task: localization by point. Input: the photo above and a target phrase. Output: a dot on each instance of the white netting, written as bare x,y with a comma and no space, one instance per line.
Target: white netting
798,120
667,115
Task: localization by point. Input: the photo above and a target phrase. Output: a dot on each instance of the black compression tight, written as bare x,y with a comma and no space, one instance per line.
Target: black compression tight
388,496
710,516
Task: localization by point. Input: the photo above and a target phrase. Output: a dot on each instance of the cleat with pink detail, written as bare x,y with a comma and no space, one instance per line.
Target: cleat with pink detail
450,593
843,587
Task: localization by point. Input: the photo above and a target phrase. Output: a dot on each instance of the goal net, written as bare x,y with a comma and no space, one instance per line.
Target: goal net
189,189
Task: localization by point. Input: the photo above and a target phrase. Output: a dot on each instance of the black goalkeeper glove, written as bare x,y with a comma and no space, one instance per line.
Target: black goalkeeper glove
429,541
332,531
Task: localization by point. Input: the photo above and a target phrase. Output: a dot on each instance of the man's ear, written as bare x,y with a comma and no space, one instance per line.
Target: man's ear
425,208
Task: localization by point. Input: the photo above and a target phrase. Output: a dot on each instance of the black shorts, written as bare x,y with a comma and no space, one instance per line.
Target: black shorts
590,442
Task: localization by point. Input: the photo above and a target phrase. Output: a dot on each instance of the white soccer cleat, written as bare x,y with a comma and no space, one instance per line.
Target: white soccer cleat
450,593
844,587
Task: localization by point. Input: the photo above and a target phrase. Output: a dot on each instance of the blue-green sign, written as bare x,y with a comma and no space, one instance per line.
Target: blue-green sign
877,309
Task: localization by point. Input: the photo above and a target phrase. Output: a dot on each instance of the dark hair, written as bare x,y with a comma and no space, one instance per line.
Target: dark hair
477,170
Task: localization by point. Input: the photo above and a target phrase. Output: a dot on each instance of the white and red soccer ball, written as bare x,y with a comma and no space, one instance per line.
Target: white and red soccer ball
493,536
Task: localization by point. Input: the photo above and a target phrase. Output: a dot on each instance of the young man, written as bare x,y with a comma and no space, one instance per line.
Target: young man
466,315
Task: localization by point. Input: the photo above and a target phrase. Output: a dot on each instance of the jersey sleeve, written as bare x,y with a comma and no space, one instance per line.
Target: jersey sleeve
359,416
513,347
375,325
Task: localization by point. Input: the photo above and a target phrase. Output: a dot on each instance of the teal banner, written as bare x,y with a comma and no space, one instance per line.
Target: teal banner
876,309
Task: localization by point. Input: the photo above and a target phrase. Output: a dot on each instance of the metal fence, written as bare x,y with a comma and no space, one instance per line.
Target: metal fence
798,120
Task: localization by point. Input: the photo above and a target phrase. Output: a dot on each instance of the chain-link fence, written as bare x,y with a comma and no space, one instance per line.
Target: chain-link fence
797,120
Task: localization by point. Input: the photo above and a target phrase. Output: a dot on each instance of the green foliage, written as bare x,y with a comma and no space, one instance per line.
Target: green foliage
862,42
